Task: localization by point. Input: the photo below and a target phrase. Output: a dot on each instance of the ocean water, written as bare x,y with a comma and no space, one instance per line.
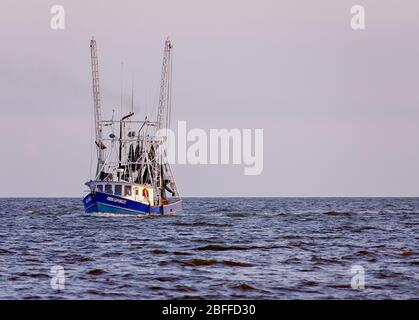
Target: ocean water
217,248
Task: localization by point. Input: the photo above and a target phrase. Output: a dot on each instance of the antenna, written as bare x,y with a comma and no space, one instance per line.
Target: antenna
122,86
132,96
145,102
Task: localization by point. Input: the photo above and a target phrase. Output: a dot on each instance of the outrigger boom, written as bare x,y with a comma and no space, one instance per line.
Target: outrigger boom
132,173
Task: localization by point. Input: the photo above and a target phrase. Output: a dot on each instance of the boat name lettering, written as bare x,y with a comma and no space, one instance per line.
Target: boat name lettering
116,200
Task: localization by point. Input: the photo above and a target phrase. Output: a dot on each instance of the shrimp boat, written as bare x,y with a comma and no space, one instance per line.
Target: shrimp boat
132,174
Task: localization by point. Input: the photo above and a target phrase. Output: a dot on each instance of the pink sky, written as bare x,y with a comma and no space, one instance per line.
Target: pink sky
339,108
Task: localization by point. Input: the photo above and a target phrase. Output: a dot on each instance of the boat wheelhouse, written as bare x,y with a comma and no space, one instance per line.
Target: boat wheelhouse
132,174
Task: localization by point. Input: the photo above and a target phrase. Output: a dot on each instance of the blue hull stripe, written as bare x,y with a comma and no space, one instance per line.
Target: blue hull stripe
105,203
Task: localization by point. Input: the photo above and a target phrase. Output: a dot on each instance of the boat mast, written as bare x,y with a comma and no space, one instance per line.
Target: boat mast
162,114
165,86
162,170
97,106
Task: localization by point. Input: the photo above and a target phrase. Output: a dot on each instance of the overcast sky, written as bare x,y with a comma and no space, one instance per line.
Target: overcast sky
339,108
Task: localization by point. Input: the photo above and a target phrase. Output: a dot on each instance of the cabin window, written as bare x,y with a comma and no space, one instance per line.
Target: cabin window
108,189
118,189
99,188
137,192
128,190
